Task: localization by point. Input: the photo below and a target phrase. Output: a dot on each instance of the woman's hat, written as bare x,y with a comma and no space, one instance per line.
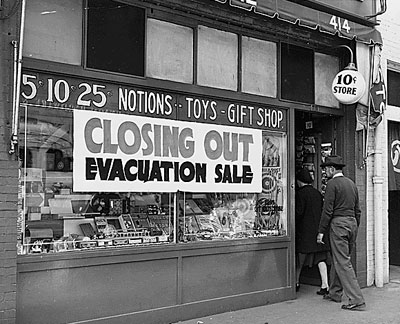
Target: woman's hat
333,160
304,176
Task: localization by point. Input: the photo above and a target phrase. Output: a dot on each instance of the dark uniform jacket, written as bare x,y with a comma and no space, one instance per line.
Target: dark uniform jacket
341,200
308,214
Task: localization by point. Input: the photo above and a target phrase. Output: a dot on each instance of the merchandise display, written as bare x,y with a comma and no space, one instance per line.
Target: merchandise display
201,217
313,142
55,217
102,220
306,153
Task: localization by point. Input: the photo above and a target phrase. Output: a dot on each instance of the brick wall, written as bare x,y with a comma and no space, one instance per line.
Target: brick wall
356,170
8,168
390,30
362,243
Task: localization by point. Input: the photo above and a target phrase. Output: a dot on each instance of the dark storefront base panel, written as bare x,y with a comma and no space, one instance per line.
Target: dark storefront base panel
394,227
152,285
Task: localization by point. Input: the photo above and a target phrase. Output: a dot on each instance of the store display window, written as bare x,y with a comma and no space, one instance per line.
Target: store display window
54,216
60,24
220,216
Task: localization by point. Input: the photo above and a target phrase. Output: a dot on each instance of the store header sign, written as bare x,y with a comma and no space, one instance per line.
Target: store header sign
117,153
74,93
348,86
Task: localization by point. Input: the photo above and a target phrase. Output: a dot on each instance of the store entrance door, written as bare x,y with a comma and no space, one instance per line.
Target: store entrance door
315,138
394,191
394,227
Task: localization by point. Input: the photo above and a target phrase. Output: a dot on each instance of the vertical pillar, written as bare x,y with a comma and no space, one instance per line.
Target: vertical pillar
377,180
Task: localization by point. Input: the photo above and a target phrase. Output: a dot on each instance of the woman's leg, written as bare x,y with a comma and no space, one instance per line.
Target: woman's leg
298,271
323,271
301,258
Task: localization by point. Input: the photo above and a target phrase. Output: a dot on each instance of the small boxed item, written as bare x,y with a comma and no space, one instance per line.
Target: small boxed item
126,223
115,207
87,230
87,244
40,238
140,222
34,216
149,239
101,223
120,241
65,191
163,238
135,240
104,242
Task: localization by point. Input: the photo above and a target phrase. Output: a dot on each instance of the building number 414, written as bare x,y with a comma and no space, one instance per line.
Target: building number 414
340,24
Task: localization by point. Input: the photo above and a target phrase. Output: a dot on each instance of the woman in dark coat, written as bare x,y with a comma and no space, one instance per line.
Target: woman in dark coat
308,213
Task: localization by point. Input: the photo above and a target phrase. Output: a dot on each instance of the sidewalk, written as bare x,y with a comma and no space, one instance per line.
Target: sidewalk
383,307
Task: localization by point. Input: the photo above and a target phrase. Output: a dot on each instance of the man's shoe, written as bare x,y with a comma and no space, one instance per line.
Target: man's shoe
354,307
323,292
330,298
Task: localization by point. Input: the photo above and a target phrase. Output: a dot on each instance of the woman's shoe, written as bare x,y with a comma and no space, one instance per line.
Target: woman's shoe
323,291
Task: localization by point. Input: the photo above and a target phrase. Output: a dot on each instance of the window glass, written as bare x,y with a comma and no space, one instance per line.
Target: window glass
393,88
326,68
297,73
53,30
221,216
115,37
54,218
169,51
217,58
259,67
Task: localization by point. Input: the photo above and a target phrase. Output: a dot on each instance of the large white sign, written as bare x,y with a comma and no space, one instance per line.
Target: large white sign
124,153
348,86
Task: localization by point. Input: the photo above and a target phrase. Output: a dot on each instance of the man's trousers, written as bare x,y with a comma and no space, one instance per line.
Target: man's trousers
343,234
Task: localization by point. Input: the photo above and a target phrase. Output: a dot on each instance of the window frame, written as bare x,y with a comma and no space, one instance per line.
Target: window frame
85,42
392,67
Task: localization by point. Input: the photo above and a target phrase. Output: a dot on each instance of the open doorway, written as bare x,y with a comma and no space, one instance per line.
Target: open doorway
315,138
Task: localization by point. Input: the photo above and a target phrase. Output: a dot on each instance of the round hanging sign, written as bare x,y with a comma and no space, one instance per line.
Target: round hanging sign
348,86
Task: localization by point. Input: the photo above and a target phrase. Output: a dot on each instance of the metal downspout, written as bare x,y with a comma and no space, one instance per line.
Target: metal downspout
377,181
17,85
378,212
14,44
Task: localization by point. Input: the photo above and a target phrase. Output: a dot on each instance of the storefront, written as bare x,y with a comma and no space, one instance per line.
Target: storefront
158,184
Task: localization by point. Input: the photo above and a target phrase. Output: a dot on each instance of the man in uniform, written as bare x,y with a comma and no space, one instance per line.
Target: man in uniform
341,214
